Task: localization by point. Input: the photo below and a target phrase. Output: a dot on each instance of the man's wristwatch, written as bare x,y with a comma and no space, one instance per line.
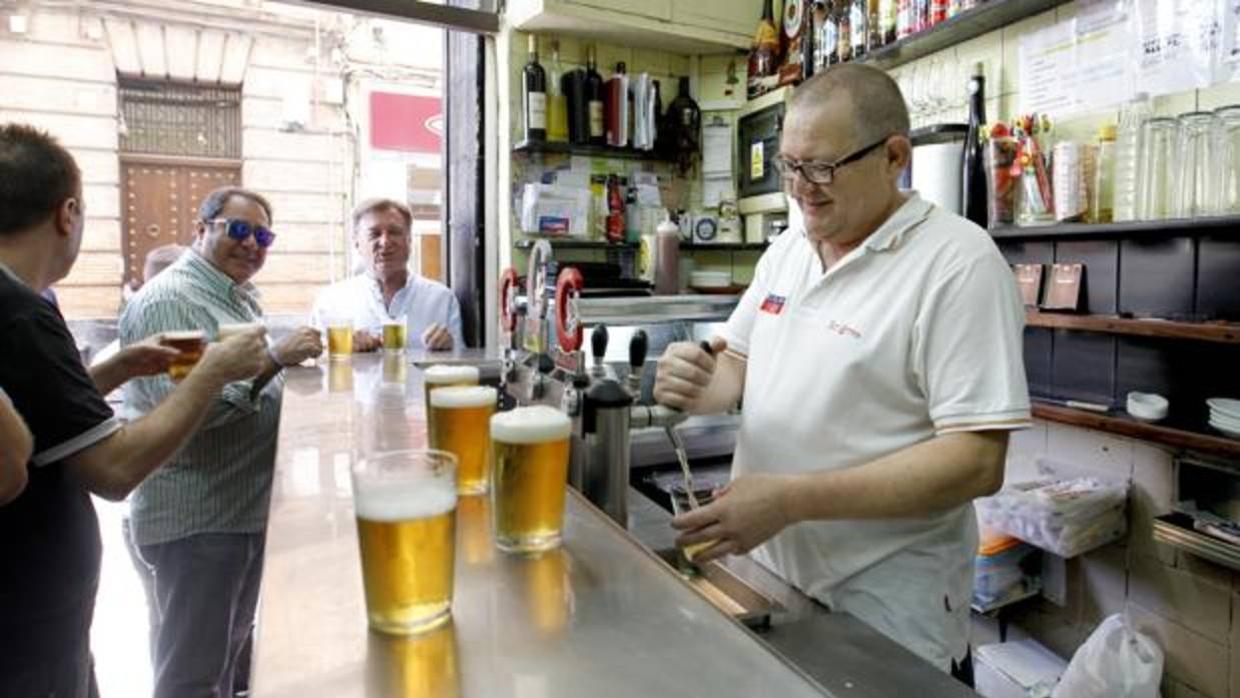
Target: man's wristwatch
271,354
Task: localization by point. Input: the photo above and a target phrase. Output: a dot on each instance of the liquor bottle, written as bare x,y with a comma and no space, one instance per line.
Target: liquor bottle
973,186
557,103
534,96
845,28
938,12
874,22
859,27
831,35
684,123
905,25
594,99
764,54
615,210
816,33
888,14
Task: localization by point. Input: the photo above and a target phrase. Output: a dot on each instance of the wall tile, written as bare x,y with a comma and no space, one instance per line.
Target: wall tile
1093,451
1191,658
1198,604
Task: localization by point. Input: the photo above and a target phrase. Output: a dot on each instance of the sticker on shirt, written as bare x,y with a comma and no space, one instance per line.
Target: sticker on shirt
843,329
773,304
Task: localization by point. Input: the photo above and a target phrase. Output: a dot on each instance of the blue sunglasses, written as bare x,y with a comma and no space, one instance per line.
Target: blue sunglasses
239,230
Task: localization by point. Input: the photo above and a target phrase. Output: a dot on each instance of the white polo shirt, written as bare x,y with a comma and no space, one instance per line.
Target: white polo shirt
916,332
421,301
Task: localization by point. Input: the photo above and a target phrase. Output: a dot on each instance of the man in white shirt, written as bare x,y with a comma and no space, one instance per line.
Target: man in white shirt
878,352
387,291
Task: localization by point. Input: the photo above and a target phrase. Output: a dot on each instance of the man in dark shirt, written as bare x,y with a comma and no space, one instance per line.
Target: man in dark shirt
49,536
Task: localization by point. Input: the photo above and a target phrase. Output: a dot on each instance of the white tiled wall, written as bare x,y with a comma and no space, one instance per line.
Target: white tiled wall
1185,602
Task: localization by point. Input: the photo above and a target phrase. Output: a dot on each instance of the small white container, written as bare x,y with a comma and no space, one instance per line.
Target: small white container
1148,407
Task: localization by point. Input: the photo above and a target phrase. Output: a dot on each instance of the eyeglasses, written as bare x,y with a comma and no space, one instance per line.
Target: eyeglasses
239,230
819,171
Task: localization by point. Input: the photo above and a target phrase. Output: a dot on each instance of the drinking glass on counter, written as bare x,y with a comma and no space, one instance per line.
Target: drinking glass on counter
531,473
1160,143
339,337
461,425
405,502
191,344
443,376
1229,159
1198,162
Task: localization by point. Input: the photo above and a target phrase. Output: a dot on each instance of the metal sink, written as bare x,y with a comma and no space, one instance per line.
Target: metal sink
724,590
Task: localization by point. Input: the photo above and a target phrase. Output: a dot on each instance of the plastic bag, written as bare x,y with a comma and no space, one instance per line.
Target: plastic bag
1116,661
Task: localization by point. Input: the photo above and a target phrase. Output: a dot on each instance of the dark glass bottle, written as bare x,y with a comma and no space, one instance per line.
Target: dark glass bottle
594,99
973,187
684,120
534,96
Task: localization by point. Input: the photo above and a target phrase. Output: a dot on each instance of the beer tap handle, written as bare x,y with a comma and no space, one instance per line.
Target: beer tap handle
639,346
705,345
599,339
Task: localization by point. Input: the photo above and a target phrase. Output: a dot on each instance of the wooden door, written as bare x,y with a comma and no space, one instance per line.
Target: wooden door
160,201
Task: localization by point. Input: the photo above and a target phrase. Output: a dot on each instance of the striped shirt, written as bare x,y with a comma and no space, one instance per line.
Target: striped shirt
221,481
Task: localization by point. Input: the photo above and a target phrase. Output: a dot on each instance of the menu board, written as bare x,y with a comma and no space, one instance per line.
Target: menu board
1112,48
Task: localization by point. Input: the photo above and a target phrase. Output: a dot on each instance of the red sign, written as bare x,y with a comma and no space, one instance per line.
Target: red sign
410,123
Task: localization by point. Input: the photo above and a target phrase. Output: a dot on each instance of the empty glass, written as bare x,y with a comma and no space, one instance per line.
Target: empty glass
1160,147
1229,159
1198,165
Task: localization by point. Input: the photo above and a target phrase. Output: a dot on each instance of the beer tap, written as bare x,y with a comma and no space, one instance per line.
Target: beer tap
599,339
638,348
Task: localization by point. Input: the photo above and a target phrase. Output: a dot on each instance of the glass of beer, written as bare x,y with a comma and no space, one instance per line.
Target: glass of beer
442,376
530,447
682,504
191,344
395,335
462,427
406,505
339,337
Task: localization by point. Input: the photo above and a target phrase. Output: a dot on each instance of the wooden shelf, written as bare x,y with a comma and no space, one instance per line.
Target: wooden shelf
982,19
723,246
572,244
1224,333
1228,226
601,151
1126,426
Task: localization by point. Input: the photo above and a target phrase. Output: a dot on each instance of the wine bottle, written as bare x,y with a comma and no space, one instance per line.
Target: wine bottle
557,104
594,99
844,14
973,187
534,96
764,54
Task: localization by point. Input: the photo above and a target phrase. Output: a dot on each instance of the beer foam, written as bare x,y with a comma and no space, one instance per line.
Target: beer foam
445,373
464,396
530,425
181,335
399,501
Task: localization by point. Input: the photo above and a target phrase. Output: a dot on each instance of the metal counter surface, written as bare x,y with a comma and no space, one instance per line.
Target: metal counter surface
600,617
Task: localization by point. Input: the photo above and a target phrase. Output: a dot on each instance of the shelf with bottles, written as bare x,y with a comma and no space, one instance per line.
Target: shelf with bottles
601,151
692,246
1214,226
569,243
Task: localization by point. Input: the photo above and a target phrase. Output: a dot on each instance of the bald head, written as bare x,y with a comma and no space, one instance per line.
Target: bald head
873,98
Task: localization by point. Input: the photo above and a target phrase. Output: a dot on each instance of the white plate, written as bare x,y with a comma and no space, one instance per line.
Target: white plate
1224,420
1230,431
1227,406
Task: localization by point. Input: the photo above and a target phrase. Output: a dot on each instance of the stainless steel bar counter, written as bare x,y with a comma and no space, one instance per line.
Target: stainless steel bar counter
600,617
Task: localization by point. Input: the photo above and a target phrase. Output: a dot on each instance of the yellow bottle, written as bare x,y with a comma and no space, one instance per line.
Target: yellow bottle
557,104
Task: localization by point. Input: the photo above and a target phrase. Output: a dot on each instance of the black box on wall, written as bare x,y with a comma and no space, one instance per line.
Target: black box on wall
1083,366
1101,279
1156,278
1218,279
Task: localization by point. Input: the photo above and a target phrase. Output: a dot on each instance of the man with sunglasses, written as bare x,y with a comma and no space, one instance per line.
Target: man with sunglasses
878,352
200,521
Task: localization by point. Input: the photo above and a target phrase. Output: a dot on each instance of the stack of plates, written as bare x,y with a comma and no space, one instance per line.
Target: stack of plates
1225,415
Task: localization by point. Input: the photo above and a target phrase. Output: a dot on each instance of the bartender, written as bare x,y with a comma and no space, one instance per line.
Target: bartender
878,352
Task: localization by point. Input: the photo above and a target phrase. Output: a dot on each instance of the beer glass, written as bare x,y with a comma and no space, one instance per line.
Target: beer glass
395,335
1198,158
190,344
531,471
339,337
405,503
461,426
443,376
681,504
1229,159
